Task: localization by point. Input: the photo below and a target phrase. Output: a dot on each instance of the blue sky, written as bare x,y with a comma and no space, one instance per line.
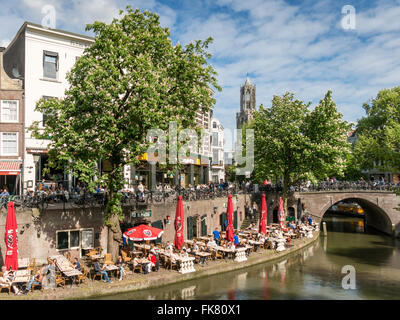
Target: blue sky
297,46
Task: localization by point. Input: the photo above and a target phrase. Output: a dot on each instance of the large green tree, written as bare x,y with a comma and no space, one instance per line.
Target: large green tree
293,143
378,133
131,79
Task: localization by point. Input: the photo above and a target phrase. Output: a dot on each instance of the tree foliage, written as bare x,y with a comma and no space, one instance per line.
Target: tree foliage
378,133
131,79
293,143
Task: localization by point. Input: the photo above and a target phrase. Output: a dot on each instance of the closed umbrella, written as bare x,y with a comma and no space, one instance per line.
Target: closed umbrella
179,219
281,213
263,219
143,232
229,211
11,238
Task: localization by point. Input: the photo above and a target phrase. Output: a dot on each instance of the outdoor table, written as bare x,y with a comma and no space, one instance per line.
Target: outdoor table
256,244
23,263
111,267
205,238
225,251
136,252
97,256
22,273
20,281
203,256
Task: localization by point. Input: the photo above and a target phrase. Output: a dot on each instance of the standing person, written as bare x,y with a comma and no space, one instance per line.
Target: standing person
216,236
120,264
254,210
236,239
310,220
140,188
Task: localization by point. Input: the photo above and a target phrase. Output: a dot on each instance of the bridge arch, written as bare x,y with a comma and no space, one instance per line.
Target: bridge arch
379,207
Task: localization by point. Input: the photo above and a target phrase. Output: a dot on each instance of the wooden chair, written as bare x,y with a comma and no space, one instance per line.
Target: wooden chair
216,255
35,285
125,257
5,285
137,267
32,265
108,259
97,274
82,277
60,280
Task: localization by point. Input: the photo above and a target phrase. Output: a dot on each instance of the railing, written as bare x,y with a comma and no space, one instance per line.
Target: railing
63,199
323,186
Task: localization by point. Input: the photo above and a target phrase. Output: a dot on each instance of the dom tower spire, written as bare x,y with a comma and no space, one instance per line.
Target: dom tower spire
247,103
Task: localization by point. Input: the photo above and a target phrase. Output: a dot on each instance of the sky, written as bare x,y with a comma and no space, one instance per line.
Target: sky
305,47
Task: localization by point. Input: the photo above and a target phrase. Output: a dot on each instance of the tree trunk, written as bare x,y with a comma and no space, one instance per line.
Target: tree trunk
114,237
113,210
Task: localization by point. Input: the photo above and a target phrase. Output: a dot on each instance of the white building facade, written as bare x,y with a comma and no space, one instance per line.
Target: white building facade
217,172
41,57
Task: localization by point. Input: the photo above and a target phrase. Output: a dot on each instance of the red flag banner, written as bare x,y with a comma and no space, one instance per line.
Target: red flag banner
11,238
229,212
179,222
263,217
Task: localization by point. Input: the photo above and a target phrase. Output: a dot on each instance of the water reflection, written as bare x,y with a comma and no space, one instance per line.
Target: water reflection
311,273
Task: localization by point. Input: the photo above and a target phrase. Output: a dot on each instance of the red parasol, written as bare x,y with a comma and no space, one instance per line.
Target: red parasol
229,212
281,213
11,238
143,232
179,220
263,219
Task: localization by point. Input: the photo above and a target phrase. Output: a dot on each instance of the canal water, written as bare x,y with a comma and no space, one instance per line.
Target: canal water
312,273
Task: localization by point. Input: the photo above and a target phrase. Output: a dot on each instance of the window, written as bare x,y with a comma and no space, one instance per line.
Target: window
214,125
9,143
50,64
215,139
9,110
46,115
215,159
74,239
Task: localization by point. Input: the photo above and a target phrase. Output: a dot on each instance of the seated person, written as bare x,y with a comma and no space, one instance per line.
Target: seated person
77,264
37,279
212,244
309,220
120,264
154,261
195,247
184,253
231,246
291,225
169,247
6,280
100,270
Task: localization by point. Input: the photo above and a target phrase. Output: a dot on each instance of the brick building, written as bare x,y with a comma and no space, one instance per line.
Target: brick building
11,130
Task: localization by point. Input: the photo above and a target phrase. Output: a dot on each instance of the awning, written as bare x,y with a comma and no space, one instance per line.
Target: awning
10,168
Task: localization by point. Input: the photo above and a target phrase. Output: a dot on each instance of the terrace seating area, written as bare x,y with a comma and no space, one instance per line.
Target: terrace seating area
143,258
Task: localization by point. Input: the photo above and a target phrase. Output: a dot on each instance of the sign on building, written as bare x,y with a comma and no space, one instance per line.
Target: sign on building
141,214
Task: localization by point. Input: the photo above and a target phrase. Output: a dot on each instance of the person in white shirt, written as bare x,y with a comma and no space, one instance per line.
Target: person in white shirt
6,280
169,247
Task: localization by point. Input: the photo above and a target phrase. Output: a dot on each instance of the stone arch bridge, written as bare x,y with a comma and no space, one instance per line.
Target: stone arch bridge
382,207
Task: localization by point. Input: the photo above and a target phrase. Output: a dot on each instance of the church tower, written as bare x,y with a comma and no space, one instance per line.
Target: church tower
247,103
